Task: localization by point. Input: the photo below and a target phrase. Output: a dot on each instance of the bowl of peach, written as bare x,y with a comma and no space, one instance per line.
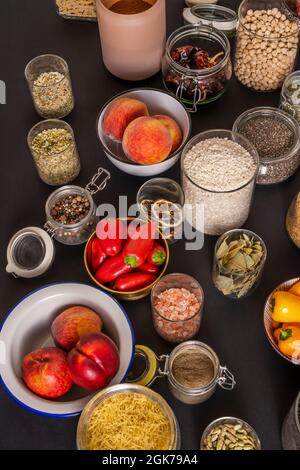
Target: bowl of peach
143,131
60,345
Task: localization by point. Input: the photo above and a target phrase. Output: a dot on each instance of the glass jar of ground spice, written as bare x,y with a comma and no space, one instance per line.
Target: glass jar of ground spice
71,211
276,137
53,148
293,220
177,303
192,369
196,66
50,85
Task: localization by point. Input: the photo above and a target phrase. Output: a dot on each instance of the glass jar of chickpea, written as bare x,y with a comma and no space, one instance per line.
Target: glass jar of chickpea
267,44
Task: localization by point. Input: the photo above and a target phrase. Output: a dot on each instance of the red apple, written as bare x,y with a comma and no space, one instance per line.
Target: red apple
46,373
94,361
72,324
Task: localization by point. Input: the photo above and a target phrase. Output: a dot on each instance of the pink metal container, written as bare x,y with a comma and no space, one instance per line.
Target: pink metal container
132,44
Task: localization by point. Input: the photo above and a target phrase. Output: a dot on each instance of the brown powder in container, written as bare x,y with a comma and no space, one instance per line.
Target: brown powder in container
193,369
130,7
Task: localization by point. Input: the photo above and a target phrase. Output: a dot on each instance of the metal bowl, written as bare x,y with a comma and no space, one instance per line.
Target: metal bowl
118,390
230,420
268,319
158,102
134,295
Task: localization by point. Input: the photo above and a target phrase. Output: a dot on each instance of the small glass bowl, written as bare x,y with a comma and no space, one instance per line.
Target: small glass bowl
233,421
177,331
115,390
274,170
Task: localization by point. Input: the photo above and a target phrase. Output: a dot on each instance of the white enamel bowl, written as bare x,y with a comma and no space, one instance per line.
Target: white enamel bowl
158,102
27,327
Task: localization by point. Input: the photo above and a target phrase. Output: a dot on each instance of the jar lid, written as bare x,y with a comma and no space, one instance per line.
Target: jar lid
146,366
219,17
30,253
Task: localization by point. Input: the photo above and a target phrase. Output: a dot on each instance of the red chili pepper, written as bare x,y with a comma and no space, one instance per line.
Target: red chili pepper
133,281
97,255
138,245
157,255
149,268
111,233
111,269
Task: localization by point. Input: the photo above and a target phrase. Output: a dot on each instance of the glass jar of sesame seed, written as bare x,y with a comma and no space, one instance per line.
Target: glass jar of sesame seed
50,85
53,148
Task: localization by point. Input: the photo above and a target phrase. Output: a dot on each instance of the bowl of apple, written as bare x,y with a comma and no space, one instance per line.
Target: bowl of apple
60,345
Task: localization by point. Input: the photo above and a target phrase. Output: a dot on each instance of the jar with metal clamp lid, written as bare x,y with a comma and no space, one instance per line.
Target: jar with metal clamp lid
31,251
196,66
219,17
192,369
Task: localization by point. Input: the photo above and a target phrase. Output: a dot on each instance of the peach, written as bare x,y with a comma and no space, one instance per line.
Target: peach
73,323
146,141
173,128
119,114
46,372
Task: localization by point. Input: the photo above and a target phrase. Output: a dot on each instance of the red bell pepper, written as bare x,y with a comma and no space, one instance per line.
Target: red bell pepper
133,281
138,245
149,268
157,255
97,255
111,233
111,269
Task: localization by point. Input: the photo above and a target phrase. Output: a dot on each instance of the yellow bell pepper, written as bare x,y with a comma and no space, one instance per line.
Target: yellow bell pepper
286,307
289,341
295,289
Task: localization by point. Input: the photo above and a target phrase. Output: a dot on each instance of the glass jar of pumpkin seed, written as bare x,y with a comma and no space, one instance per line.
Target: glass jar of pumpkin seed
238,264
53,148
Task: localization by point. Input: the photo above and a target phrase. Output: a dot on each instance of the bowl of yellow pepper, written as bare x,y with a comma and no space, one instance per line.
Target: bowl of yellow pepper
282,320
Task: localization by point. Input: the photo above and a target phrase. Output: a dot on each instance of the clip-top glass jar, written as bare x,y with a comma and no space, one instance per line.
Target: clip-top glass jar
219,17
290,95
196,66
192,386
31,251
266,46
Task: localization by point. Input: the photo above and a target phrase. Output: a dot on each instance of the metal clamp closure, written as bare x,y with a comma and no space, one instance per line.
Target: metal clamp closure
196,90
162,372
93,187
226,379
50,229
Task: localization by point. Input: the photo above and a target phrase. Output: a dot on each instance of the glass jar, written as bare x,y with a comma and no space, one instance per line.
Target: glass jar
221,18
242,279
116,390
79,10
194,86
57,162
170,325
290,95
50,86
273,168
147,367
213,212
290,433
162,200
233,422
266,45
293,220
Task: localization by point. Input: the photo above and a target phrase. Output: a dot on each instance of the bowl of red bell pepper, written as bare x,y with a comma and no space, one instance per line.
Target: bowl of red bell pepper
126,257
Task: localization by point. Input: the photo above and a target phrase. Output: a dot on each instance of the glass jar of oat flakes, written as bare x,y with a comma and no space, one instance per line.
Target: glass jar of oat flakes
50,86
53,148
267,44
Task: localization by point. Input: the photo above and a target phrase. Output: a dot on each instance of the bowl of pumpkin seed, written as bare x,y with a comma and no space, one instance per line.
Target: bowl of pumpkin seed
229,433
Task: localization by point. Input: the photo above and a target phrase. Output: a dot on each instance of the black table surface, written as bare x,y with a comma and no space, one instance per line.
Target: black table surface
266,383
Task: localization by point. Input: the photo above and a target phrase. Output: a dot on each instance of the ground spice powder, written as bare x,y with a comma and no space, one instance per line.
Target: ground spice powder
193,369
130,7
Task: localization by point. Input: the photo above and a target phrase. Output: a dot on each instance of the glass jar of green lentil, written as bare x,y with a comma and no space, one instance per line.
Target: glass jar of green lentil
276,137
290,95
53,148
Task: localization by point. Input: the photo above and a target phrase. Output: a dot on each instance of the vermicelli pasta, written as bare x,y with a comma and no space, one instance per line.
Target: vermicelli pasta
84,8
128,421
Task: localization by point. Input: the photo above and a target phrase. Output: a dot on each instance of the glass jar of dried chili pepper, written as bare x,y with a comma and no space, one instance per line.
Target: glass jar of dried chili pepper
196,66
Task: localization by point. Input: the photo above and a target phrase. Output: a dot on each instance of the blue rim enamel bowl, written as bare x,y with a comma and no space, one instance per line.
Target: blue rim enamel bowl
27,327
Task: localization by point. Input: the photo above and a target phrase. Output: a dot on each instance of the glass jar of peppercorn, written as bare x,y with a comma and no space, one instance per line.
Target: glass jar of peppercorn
196,66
